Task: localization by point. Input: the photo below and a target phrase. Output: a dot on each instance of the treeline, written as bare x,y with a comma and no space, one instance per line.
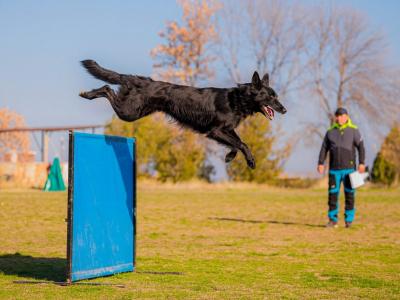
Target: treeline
319,57
170,153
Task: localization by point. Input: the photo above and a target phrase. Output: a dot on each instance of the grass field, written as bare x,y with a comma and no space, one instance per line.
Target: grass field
214,242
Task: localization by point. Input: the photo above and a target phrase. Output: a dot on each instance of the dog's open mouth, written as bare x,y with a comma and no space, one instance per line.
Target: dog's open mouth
268,112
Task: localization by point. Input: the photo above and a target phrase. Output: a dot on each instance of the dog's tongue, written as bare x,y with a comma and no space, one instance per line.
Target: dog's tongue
269,112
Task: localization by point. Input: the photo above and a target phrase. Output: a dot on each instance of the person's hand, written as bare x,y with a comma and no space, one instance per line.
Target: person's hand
321,169
361,168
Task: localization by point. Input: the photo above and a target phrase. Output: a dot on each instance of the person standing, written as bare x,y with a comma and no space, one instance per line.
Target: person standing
341,141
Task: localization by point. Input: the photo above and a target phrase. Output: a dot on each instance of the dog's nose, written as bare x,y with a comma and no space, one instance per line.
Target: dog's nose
284,111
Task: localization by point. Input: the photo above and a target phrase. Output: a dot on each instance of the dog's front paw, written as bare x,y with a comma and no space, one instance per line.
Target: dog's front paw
230,156
251,163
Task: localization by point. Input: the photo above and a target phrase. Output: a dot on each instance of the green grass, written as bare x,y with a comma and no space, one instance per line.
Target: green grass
214,242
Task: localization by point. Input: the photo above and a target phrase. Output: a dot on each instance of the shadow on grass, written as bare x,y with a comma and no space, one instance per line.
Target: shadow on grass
159,273
40,268
264,222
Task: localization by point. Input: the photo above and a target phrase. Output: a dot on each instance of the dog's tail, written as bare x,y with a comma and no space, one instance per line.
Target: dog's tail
100,73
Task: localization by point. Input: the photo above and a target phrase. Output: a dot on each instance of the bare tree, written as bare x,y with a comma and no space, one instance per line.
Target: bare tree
333,54
264,35
347,67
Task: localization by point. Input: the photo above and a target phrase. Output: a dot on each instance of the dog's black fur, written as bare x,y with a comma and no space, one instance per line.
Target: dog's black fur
215,112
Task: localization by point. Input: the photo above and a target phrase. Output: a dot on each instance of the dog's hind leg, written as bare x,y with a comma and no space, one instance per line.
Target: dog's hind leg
104,91
121,106
128,108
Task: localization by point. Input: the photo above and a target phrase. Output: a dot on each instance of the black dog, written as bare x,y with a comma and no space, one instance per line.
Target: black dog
215,112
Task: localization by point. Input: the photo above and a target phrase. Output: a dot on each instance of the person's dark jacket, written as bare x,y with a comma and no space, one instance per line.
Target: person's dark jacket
341,142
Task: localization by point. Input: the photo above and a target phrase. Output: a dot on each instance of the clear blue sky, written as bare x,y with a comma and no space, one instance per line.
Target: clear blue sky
42,43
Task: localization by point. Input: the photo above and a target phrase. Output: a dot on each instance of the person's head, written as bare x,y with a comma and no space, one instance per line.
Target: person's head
341,116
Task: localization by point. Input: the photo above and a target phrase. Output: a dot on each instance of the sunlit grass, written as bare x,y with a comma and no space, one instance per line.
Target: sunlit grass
215,242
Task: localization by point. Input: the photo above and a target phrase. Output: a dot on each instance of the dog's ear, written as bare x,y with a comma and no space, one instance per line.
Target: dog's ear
265,79
255,81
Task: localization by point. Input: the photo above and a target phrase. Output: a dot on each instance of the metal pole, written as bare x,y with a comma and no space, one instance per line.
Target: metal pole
45,146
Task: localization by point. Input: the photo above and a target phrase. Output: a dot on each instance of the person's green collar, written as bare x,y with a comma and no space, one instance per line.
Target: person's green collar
349,123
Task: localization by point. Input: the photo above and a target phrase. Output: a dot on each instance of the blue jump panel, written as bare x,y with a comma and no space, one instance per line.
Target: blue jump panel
101,206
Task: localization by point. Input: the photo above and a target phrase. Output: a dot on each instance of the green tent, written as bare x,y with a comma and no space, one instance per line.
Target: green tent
54,180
